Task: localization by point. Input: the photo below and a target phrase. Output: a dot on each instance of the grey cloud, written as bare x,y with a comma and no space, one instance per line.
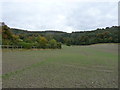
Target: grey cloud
94,15
66,16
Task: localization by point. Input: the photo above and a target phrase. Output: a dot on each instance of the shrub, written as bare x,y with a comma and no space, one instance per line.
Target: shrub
25,45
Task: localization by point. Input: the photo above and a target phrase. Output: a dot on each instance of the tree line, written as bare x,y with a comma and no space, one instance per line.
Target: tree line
54,39
27,41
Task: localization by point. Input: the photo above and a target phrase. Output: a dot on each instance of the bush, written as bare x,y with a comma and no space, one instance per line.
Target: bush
68,44
59,45
25,45
52,43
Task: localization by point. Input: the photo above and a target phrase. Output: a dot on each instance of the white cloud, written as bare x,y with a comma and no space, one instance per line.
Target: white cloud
59,14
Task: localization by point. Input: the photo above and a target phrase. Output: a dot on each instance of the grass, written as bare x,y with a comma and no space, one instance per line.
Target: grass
94,66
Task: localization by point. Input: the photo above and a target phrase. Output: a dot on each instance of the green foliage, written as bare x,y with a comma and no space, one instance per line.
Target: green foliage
42,42
54,39
59,45
52,43
27,40
25,45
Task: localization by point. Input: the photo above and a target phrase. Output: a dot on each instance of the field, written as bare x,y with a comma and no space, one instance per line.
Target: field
94,66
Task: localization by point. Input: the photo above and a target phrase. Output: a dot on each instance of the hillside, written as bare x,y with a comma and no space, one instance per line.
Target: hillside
41,39
104,35
26,40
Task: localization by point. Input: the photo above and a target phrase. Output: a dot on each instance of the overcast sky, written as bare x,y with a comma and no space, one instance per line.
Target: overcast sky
61,15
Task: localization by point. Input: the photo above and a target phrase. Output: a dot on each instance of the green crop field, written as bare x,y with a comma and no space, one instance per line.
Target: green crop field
93,66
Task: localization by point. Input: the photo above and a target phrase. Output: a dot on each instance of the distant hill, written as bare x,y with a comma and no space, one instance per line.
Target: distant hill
104,35
18,31
26,39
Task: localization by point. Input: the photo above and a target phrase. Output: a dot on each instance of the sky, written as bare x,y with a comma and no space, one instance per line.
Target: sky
59,15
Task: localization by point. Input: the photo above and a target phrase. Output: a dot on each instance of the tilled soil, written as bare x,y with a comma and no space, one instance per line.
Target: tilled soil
94,66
